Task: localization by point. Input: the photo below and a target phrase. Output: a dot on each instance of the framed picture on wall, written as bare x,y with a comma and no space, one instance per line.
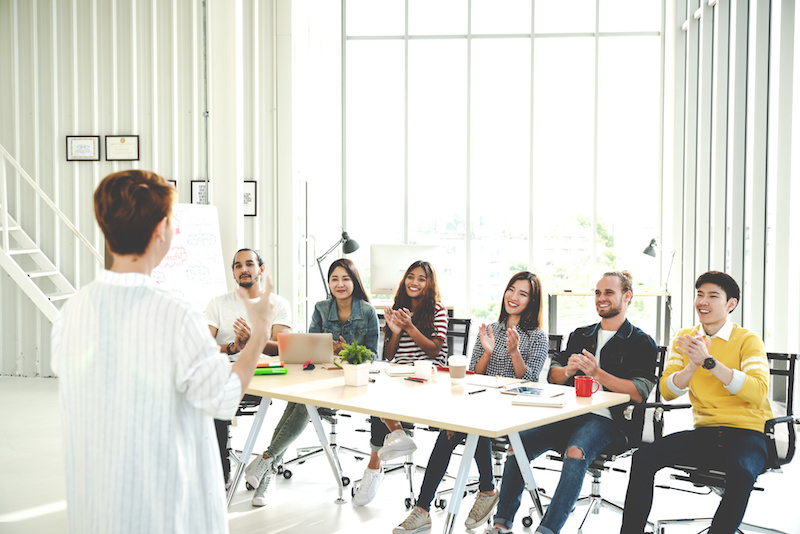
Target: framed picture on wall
122,148
83,148
199,192
250,199
174,183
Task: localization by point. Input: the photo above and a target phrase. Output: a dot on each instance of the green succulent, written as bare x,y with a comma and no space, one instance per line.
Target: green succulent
355,353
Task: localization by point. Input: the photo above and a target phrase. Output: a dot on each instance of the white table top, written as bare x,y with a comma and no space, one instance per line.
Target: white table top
436,403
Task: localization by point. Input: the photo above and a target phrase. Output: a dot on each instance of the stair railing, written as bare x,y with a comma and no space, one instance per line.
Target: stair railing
4,154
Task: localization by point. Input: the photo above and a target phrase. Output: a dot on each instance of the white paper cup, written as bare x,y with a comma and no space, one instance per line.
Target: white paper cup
458,368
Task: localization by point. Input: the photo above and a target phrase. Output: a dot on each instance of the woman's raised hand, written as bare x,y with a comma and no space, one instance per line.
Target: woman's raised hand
390,316
512,339
487,338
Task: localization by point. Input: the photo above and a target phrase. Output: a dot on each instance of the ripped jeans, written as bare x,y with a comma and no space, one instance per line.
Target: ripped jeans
590,433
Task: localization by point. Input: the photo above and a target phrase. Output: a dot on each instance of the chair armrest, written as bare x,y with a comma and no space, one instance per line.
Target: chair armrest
775,460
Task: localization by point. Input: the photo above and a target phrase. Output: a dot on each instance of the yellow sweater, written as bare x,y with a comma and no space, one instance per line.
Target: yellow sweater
712,404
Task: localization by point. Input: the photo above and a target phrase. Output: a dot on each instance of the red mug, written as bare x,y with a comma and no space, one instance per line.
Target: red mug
585,386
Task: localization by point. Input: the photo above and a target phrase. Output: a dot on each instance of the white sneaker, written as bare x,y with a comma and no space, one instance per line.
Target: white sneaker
484,504
368,487
260,497
256,469
415,522
395,445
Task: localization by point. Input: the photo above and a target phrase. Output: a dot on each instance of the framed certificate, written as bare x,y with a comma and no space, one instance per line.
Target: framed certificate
83,148
122,148
250,199
199,192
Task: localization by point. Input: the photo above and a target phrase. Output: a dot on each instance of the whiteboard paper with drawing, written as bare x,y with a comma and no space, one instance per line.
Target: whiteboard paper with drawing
194,268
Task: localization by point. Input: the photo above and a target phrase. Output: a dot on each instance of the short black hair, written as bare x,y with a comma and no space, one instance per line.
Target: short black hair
723,280
258,256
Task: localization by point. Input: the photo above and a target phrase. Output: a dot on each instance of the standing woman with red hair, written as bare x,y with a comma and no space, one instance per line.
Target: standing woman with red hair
141,380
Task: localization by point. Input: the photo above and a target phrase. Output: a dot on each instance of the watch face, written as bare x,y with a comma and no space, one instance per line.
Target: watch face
709,363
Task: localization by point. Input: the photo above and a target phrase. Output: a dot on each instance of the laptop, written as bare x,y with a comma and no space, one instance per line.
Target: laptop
299,348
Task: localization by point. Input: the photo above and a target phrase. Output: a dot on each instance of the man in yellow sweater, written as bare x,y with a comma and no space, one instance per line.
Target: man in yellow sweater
724,369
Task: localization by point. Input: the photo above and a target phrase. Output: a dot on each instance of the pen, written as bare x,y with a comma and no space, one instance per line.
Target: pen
415,379
476,391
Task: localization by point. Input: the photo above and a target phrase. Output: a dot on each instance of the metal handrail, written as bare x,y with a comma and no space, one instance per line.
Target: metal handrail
5,154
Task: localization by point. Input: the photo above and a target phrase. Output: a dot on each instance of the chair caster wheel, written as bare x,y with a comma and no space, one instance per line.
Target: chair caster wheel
409,504
441,504
280,469
527,521
353,491
287,474
345,481
249,487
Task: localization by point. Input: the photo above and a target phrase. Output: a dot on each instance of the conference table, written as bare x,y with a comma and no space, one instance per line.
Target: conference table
477,408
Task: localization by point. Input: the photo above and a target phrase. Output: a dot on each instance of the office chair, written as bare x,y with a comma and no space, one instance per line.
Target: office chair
306,453
458,330
651,415
782,373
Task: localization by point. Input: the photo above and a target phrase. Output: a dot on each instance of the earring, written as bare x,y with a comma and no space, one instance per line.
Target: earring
163,243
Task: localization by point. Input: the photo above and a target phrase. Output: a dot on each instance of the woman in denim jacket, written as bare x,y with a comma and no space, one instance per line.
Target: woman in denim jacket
347,316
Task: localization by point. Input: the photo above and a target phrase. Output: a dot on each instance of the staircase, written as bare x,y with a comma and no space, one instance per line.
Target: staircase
21,257
33,272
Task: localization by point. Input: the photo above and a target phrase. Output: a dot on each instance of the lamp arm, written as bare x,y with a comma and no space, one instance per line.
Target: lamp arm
319,264
669,270
327,252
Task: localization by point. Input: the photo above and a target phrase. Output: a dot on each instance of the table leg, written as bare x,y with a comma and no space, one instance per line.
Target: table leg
249,443
525,469
333,459
461,482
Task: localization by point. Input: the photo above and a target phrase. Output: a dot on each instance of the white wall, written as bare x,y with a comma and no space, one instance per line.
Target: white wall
110,67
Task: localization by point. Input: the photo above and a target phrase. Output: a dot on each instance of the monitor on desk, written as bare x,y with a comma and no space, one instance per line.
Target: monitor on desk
388,263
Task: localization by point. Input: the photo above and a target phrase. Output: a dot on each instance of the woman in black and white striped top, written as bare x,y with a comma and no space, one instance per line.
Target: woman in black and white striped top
416,329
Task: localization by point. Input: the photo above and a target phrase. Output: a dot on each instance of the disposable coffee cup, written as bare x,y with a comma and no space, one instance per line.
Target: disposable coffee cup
458,368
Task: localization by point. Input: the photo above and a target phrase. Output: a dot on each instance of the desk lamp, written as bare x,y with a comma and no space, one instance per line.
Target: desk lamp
350,245
650,250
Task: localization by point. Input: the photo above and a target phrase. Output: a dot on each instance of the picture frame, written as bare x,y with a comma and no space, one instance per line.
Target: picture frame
199,192
174,183
250,200
122,148
83,148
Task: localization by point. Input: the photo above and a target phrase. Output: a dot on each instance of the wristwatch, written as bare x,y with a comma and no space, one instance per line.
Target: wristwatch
229,348
709,363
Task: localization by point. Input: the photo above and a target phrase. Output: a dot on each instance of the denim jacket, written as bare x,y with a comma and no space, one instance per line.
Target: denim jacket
362,326
630,354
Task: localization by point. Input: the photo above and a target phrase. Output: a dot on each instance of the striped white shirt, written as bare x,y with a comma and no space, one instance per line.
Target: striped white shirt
407,349
141,380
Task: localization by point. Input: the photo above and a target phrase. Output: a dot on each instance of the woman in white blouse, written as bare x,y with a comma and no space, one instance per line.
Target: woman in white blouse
141,380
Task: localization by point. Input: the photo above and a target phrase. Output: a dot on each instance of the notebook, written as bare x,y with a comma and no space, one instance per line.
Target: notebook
527,400
300,348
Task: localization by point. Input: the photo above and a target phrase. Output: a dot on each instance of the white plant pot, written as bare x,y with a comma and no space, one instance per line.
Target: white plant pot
356,375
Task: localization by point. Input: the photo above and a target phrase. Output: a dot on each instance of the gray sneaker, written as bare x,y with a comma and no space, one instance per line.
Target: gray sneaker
484,504
415,522
256,469
260,497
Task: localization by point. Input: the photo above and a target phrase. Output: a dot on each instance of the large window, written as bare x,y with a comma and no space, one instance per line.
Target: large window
515,135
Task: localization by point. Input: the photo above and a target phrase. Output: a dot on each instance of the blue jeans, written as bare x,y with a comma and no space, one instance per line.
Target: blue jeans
592,434
291,424
740,453
440,459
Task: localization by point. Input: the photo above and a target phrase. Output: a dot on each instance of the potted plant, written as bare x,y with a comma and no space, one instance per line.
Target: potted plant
356,360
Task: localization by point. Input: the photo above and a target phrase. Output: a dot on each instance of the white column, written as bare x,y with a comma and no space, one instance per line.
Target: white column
226,120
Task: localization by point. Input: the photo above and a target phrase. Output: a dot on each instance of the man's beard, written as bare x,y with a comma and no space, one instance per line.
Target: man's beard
247,284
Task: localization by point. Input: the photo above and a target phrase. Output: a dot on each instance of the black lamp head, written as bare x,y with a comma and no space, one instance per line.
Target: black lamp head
651,248
350,245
